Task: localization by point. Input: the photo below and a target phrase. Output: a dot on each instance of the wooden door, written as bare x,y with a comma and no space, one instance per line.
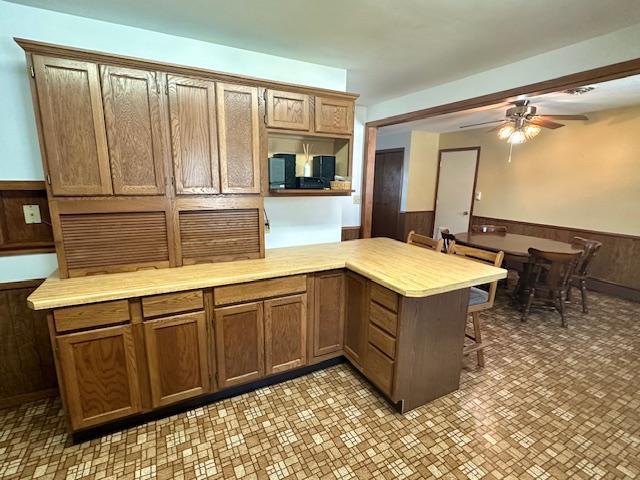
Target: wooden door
178,357
328,321
285,332
287,110
387,192
73,126
194,137
334,115
100,375
356,318
134,123
239,135
239,343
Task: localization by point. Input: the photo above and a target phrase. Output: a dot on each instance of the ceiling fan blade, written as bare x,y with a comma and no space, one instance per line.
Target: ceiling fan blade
481,123
563,117
542,122
495,129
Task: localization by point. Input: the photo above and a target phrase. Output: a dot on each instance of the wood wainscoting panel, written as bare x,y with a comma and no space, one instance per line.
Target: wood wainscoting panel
350,233
27,371
420,222
612,265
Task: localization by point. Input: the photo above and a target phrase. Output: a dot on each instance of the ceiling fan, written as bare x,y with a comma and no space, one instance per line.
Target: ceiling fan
521,122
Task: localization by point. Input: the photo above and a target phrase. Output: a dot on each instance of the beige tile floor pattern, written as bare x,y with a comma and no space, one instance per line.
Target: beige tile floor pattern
551,403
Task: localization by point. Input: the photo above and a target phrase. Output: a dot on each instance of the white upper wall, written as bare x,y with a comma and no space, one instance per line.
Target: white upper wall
615,47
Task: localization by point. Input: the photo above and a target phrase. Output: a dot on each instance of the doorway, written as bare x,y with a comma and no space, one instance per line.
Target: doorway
455,190
387,192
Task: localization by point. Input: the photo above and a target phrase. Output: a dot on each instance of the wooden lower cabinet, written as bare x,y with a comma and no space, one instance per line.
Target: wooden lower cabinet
328,325
100,375
177,357
285,332
239,332
356,318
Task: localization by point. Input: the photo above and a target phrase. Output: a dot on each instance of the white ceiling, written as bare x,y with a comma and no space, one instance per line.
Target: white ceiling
388,47
613,94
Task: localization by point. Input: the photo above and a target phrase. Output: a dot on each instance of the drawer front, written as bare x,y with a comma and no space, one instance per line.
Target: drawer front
379,369
90,316
383,318
382,340
172,303
384,297
246,292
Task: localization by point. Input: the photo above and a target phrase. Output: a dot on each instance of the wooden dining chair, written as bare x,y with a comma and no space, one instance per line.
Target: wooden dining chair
590,249
547,279
479,299
489,229
423,241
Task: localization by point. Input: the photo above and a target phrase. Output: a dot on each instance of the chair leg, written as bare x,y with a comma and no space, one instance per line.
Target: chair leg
478,335
561,310
569,288
527,307
583,291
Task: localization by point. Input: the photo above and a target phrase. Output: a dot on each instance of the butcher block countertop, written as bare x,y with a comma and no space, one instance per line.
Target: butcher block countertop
406,269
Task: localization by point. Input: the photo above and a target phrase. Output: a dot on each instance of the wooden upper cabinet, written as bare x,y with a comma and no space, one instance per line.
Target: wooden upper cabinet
194,137
328,321
285,333
287,110
72,126
356,318
333,115
239,136
134,123
239,334
100,375
178,357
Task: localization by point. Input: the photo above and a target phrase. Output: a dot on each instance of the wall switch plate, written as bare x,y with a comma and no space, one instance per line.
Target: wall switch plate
356,199
478,196
31,214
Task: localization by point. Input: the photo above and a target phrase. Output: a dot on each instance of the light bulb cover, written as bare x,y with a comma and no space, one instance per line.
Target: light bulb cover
505,132
531,130
517,137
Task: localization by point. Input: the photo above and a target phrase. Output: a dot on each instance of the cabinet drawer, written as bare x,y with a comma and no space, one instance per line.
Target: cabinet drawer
172,303
90,316
384,297
382,340
383,318
379,369
246,292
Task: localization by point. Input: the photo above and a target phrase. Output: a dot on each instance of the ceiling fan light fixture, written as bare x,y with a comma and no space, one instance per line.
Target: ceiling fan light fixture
517,137
531,131
505,132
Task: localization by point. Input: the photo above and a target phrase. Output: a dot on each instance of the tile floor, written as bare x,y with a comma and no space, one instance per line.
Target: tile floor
551,403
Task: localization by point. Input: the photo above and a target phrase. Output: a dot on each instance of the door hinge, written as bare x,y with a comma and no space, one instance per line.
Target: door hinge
166,88
32,71
48,179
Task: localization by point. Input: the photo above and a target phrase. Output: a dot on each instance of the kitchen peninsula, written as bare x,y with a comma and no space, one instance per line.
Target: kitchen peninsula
133,342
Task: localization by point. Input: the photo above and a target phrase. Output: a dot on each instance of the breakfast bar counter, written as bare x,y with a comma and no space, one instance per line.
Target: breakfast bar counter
128,345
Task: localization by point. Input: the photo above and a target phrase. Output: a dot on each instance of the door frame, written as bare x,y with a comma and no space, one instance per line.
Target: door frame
573,80
473,191
385,151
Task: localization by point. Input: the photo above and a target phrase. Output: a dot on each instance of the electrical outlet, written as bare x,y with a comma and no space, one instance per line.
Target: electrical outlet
31,214
356,199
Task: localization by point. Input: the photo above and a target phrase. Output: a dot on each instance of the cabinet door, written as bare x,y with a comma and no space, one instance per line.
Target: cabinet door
287,110
100,375
239,134
334,115
285,332
194,138
134,129
73,126
177,356
355,328
239,344
328,321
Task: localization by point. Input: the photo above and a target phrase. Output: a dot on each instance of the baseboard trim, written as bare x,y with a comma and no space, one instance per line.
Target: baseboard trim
27,397
613,289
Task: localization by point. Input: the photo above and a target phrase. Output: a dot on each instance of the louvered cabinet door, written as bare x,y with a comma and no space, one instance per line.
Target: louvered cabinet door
287,110
73,126
333,115
178,357
134,130
285,333
239,333
239,135
100,375
194,138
